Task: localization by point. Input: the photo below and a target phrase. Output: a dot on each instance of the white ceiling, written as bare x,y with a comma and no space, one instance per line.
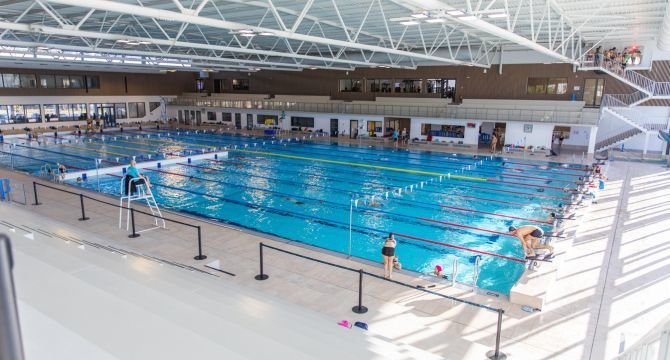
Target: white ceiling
155,35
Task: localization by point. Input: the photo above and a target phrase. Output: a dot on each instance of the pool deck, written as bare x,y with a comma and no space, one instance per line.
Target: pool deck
611,285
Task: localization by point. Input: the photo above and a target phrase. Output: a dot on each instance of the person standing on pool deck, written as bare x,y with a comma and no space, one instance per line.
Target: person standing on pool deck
494,143
388,253
135,174
395,137
530,236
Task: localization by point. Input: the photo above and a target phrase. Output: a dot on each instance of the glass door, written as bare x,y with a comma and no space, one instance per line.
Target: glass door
353,129
334,127
593,92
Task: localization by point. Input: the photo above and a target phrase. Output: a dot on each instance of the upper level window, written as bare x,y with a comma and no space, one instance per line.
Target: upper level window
350,85
11,80
408,86
92,82
377,85
551,86
47,81
240,84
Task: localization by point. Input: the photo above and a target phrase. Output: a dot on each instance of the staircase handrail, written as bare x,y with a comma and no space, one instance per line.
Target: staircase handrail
662,89
623,100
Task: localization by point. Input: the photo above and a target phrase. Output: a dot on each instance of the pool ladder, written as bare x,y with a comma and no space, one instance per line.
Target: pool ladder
143,192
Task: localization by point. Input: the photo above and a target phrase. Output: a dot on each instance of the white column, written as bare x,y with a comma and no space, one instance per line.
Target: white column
646,143
592,140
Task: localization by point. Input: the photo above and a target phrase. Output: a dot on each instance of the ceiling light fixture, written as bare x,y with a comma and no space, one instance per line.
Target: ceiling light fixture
411,22
435,20
122,41
455,12
468,18
247,34
266,33
245,31
420,15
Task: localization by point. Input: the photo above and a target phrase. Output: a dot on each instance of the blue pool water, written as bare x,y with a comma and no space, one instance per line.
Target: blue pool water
304,190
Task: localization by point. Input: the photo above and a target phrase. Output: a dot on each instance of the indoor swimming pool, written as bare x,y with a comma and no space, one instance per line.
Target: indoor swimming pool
340,197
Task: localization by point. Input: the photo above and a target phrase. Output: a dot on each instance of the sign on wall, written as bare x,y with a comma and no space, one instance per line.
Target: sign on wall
528,128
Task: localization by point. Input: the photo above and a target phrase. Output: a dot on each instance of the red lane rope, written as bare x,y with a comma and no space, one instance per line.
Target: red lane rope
522,184
503,202
533,177
547,166
460,247
519,193
465,226
494,214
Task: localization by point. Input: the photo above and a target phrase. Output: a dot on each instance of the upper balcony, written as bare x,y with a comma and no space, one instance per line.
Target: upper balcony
560,112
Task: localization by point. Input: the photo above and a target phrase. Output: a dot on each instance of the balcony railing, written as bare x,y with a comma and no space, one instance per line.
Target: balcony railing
464,112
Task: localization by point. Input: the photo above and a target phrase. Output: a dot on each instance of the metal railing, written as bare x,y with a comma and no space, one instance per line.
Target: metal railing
360,309
134,233
452,111
11,345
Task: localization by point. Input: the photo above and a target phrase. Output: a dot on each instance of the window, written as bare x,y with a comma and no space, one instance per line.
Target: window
240,84
350,85
267,119
120,110
382,86
199,85
374,127
65,112
452,131
79,112
211,116
28,81
4,114
11,80
76,82
593,91
47,81
153,106
408,86
218,85
92,82
226,116
136,110
33,113
551,86
305,122
62,81
17,114
50,112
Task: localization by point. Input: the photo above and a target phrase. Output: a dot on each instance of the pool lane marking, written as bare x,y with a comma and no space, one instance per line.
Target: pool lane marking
137,143
335,222
421,172
495,214
225,170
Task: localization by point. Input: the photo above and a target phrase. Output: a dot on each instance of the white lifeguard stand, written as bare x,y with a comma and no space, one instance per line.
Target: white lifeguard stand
142,193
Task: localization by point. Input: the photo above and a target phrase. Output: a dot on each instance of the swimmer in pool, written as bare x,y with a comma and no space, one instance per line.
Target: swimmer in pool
194,180
530,237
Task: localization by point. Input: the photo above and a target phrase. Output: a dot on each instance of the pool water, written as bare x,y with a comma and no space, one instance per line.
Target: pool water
311,191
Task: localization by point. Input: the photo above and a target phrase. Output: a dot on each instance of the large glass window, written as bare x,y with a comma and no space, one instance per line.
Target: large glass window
408,86
350,85
17,114
28,81
4,114
240,84
299,121
452,131
120,110
374,127
47,81
33,113
379,86
92,82
211,116
136,110
593,91
76,82
551,86
226,116
62,81
11,80
50,112
65,112
79,112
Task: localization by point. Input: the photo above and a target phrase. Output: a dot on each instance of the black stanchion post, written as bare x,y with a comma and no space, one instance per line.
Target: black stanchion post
83,212
132,221
35,192
496,354
360,309
261,276
200,256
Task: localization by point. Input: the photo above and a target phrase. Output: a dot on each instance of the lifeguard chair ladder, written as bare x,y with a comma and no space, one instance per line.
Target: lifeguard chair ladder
142,192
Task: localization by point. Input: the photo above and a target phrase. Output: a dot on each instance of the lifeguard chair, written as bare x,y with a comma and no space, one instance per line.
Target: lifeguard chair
135,189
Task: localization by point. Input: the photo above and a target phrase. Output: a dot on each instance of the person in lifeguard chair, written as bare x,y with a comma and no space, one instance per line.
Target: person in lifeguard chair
133,173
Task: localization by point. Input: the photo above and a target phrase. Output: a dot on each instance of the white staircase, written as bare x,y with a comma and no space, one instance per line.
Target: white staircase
618,106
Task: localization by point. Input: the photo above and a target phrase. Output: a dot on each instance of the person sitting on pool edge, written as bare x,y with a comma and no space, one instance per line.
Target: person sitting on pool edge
530,236
135,174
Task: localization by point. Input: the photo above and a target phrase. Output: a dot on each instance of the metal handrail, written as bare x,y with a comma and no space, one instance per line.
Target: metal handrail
11,345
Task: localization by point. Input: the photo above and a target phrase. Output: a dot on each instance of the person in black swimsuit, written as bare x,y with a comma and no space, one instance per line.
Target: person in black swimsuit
530,237
388,253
